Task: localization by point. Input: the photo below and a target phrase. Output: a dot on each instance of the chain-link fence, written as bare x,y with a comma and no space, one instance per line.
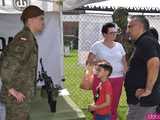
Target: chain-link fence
87,31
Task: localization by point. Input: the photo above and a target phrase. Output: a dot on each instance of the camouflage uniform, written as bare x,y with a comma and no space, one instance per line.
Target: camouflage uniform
18,68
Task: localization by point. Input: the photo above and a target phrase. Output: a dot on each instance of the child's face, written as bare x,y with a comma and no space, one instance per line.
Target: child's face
101,72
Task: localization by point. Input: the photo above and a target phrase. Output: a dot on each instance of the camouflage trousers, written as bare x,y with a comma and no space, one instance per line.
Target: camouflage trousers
17,112
2,111
2,107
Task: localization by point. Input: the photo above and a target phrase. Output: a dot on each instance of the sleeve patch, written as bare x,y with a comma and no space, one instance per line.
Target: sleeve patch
23,38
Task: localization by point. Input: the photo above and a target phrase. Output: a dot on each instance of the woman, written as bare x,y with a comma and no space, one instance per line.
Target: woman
113,52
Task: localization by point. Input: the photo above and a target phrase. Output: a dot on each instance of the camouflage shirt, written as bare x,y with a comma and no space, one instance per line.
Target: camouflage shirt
18,66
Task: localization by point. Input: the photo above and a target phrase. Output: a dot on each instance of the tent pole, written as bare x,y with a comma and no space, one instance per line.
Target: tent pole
59,9
62,41
3,2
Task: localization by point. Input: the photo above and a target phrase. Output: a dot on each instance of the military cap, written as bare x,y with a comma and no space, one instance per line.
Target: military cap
30,12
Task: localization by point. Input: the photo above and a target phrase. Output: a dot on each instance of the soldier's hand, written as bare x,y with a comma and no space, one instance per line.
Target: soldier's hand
18,95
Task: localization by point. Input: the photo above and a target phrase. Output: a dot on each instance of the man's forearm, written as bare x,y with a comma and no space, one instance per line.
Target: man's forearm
125,64
153,71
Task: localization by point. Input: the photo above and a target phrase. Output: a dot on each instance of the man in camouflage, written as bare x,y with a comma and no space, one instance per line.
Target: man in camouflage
18,66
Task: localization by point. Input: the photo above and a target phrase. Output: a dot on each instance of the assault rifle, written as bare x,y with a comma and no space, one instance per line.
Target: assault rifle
49,87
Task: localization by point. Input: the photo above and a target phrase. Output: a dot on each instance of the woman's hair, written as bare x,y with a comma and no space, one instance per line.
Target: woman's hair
106,26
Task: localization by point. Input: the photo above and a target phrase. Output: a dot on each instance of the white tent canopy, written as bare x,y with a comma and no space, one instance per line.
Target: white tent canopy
47,5
128,3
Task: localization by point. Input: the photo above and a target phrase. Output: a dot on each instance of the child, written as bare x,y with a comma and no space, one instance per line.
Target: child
103,96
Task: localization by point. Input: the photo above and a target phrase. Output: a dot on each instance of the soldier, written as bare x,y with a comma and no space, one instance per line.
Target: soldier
18,66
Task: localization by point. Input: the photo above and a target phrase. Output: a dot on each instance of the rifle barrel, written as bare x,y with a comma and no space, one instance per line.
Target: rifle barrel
41,65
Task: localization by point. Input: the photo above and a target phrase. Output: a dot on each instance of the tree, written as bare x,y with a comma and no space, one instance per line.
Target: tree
120,16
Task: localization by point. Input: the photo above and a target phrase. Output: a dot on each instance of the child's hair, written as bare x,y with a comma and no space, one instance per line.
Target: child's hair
106,67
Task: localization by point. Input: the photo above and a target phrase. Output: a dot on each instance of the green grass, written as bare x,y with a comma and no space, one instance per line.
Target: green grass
73,75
